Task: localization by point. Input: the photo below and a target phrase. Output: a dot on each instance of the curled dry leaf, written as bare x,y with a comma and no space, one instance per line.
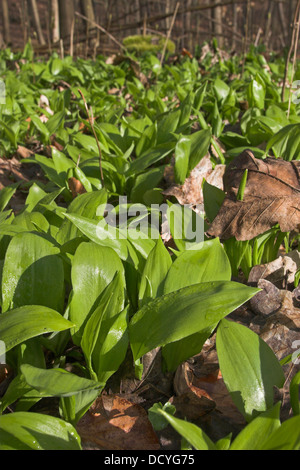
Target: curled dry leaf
271,196
191,191
76,187
281,272
201,389
113,423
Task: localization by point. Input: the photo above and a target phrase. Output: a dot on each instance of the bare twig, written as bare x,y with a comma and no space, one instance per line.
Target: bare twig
169,33
294,63
296,17
90,118
101,29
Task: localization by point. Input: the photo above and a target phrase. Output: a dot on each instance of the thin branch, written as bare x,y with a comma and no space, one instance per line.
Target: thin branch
101,29
296,16
294,64
169,33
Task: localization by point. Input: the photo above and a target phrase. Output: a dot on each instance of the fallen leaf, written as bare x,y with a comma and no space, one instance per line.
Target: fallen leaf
76,187
271,196
281,272
113,423
24,152
190,192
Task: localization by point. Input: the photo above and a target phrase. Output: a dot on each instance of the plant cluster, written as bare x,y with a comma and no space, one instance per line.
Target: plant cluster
73,293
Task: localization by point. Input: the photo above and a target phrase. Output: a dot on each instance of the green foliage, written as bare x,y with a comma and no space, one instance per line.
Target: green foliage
74,287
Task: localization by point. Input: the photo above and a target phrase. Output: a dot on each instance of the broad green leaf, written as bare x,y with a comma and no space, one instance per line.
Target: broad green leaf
93,268
287,437
40,126
221,89
111,347
35,431
150,157
192,433
182,154
75,406
57,382
200,142
256,94
157,265
213,199
167,125
145,182
182,313
6,194
17,326
294,394
186,226
253,436
249,367
55,121
33,273
110,303
89,205
105,235
198,265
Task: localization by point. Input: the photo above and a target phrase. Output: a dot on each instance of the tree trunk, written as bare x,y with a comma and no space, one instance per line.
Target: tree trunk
37,23
218,30
234,26
54,21
66,17
6,25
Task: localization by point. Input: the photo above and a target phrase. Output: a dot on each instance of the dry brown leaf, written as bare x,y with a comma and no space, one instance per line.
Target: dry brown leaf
190,401
191,191
76,187
271,196
113,423
24,152
281,272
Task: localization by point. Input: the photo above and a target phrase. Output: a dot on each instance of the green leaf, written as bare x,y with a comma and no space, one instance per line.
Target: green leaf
213,199
17,326
40,126
112,344
157,420
93,268
287,437
157,265
57,382
182,154
182,313
192,433
186,226
200,142
249,367
6,194
253,436
294,394
34,431
99,324
106,236
256,94
198,265
89,205
33,273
